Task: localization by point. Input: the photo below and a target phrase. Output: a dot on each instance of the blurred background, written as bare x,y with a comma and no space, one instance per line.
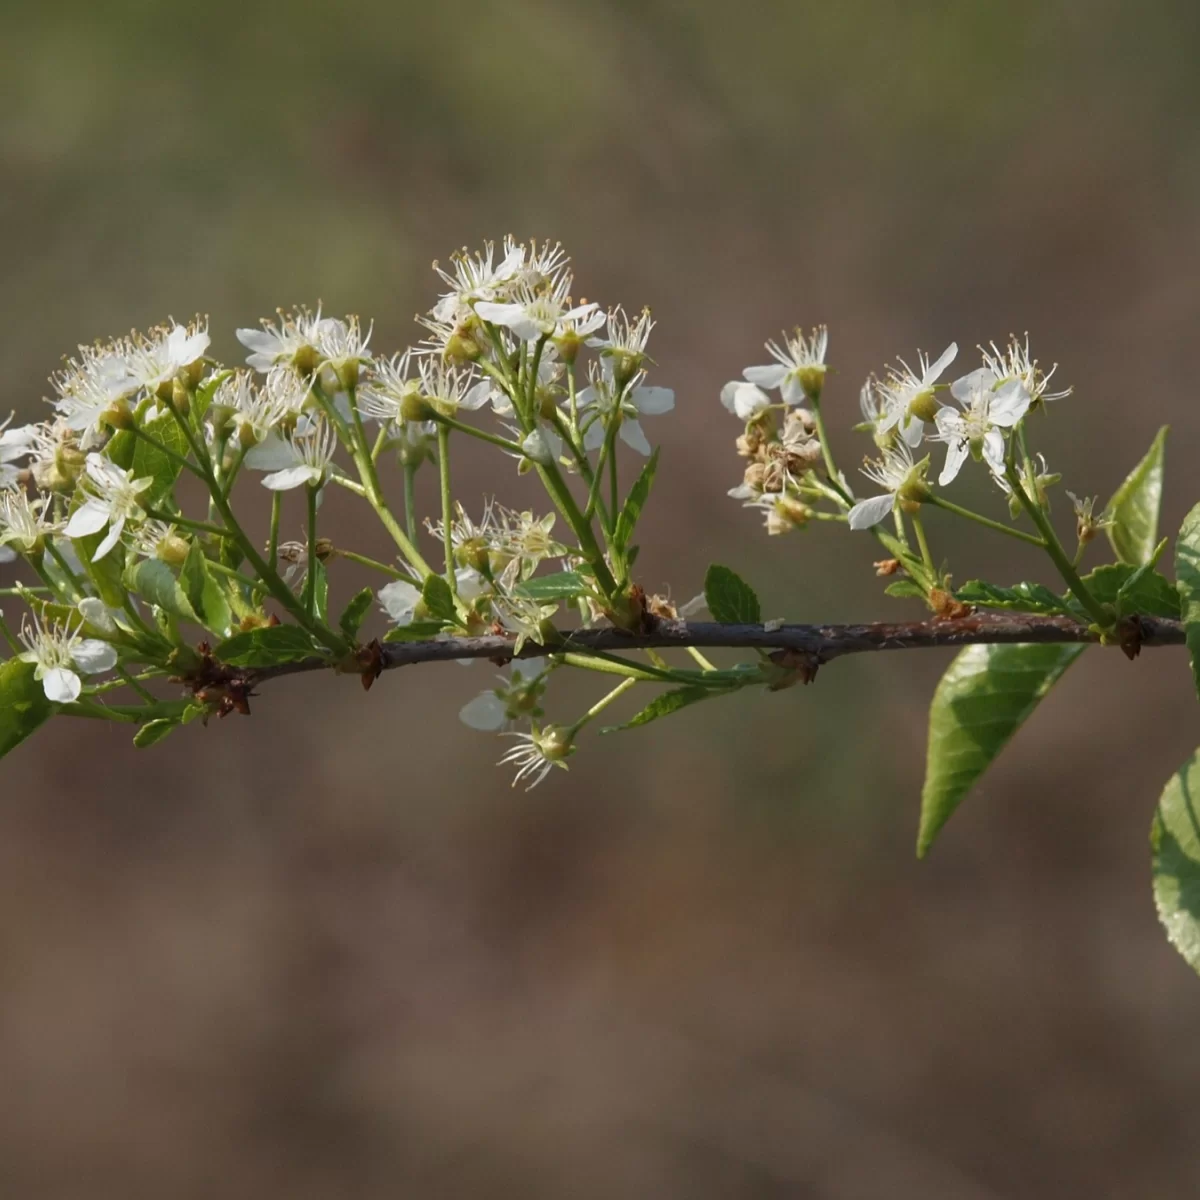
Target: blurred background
327,951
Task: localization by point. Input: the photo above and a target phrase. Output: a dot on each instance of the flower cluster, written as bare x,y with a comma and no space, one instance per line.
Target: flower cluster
88,497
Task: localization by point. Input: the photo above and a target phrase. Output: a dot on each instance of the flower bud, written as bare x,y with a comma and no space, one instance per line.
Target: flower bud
173,550
554,743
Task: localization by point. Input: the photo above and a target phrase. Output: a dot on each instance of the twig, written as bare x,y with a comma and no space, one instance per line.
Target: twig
822,643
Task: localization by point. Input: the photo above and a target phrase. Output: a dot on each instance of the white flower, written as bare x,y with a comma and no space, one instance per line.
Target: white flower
260,411
607,403
303,459
399,600
1014,362
544,310
516,697
537,753
907,398
448,389
897,474
473,277
15,444
542,445
91,384
988,407
60,653
744,400
295,341
115,499
626,336
799,367
156,358
23,522
383,394
343,346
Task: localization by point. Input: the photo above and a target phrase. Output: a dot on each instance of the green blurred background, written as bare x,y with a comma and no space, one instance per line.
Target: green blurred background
327,951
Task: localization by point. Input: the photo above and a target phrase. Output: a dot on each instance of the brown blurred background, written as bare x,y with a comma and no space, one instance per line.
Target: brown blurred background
327,951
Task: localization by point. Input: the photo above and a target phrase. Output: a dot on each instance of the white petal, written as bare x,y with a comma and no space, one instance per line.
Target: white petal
770,376
110,539
993,451
7,554
949,422
586,398
870,512
528,668
653,400
90,517
487,713
912,430
469,583
744,399
258,340
633,436
593,436
476,396
947,357
399,599
956,455
979,380
292,477
273,453
1009,404
61,685
92,656
792,390
96,613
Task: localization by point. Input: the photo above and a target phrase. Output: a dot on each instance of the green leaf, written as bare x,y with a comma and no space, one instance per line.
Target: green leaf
204,396
415,631
355,612
153,732
634,503
1135,506
1187,572
664,705
906,589
730,599
106,575
439,599
984,697
563,585
1021,597
1131,590
154,581
205,594
151,463
23,703
1175,848
267,647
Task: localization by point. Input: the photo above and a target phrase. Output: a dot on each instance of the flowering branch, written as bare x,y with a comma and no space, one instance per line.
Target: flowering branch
139,610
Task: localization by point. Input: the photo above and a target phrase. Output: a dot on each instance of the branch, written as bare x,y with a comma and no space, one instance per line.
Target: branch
819,643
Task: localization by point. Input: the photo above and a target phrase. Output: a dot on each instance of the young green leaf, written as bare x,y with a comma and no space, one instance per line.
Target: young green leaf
1021,597
415,631
1187,572
151,463
354,613
154,581
23,703
664,705
563,585
984,697
908,589
205,594
1130,590
320,592
267,647
1135,506
1175,847
634,503
730,599
439,599
153,732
